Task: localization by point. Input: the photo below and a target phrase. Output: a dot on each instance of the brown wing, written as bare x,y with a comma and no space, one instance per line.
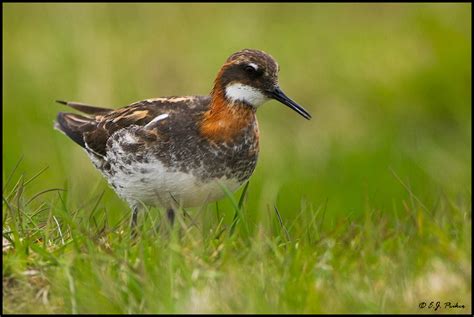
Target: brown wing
93,131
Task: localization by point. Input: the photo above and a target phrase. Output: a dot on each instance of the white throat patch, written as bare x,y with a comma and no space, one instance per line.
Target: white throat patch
245,93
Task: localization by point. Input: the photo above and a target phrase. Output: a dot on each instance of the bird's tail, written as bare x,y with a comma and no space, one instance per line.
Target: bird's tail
75,125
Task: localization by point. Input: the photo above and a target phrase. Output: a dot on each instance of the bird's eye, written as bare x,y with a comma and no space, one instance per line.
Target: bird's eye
250,69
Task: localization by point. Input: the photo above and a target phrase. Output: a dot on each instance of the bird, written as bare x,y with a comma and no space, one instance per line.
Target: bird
181,151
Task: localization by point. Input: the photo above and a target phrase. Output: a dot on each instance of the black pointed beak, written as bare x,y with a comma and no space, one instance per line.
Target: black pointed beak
279,95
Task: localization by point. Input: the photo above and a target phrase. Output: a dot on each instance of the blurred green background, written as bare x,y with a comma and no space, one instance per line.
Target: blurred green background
374,191
388,85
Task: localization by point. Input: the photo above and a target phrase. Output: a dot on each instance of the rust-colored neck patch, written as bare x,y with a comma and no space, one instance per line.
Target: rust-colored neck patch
224,121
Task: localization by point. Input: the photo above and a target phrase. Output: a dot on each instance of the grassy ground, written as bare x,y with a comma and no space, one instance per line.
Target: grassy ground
366,208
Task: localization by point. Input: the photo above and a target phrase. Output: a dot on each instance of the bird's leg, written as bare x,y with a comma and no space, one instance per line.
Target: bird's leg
133,222
170,216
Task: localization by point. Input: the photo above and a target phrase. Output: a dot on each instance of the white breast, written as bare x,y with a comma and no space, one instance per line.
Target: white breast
154,184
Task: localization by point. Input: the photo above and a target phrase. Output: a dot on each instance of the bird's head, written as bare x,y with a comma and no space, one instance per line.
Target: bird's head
250,77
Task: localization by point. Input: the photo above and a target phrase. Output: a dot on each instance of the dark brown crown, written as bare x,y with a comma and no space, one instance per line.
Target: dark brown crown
236,70
257,57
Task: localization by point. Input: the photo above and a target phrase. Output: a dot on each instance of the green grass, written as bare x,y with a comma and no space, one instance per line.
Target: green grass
366,208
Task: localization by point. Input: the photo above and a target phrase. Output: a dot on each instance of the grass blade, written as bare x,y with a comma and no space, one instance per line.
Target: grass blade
36,175
281,223
11,174
43,192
